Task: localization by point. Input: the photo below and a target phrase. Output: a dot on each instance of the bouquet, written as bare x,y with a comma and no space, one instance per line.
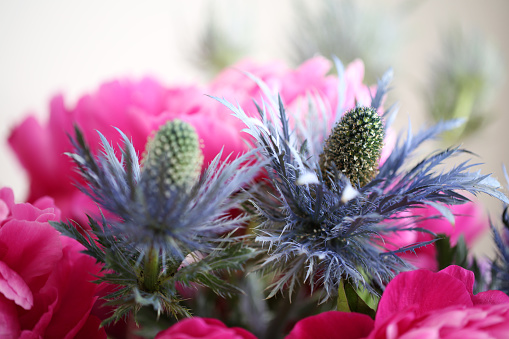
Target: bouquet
281,204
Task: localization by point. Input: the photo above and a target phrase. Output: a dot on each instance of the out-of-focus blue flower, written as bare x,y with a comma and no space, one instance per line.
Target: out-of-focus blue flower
466,79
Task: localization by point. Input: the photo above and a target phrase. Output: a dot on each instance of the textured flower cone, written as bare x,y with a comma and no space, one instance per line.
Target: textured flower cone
173,161
354,146
173,156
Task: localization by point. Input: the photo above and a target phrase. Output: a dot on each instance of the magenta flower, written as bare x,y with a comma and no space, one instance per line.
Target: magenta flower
333,325
139,107
194,328
424,304
45,288
419,304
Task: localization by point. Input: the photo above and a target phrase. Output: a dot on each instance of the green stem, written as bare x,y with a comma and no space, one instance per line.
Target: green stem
284,310
462,109
342,304
151,270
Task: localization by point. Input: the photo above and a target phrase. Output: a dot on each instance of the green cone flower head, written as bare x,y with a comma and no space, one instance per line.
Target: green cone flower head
354,146
175,152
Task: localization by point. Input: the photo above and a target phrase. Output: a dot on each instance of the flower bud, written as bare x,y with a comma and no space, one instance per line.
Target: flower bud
354,146
173,156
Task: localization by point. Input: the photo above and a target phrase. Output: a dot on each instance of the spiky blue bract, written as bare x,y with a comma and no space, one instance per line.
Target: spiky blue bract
500,265
158,221
321,235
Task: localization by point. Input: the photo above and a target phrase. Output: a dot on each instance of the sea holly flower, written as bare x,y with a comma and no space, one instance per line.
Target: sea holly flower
169,222
327,230
500,265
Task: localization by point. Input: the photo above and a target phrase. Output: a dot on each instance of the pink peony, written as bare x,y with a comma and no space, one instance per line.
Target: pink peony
419,305
470,222
333,325
140,107
203,328
45,288
425,304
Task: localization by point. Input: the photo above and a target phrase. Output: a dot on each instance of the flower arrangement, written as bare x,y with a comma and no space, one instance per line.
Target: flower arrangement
280,204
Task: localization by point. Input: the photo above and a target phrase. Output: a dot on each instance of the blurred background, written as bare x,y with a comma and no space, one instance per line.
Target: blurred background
450,58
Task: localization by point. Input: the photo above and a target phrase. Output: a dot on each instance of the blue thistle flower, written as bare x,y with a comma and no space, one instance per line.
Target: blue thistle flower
328,230
500,266
170,220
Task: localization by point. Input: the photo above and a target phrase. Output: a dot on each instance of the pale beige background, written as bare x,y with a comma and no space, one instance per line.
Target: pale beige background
55,46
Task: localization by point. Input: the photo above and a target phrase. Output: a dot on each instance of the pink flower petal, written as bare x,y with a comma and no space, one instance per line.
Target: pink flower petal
35,252
206,328
9,324
4,210
333,325
74,273
35,322
14,288
490,298
464,276
425,289
7,196
91,329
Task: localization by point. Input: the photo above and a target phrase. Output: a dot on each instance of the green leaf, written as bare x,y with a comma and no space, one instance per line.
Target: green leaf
342,298
445,253
356,303
461,252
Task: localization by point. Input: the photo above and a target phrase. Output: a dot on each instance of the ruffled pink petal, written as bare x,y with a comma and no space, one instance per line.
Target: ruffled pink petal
429,290
9,324
35,322
7,196
31,145
14,288
333,325
91,329
490,298
4,211
354,75
47,205
216,136
72,278
60,119
464,276
206,328
236,74
305,78
32,248
149,95
28,212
